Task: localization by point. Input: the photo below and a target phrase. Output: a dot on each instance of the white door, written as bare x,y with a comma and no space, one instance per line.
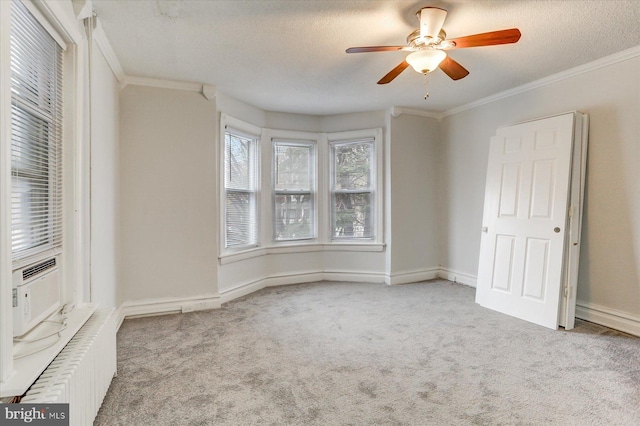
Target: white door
525,218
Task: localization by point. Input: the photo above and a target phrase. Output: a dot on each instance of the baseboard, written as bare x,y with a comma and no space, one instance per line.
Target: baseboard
139,308
241,290
406,277
358,276
458,277
611,318
118,316
249,287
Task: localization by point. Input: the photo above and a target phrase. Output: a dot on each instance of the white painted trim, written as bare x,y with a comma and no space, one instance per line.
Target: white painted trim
65,24
118,316
252,286
28,368
458,277
406,277
396,111
35,12
354,276
6,310
249,287
107,51
147,307
572,72
162,84
241,290
611,318
358,247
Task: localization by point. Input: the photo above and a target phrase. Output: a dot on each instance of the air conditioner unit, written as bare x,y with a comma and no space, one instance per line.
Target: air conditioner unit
36,294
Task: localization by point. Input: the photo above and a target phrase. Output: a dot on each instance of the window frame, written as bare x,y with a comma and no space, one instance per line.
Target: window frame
252,190
334,192
245,130
376,188
49,239
322,242
75,253
313,190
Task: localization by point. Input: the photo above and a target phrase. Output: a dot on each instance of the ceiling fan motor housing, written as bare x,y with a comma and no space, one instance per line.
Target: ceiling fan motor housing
416,41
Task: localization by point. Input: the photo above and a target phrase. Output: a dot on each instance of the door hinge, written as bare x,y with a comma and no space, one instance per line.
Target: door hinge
566,292
14,294
570,212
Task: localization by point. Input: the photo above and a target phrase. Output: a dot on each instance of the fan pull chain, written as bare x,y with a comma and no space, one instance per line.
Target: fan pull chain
426,86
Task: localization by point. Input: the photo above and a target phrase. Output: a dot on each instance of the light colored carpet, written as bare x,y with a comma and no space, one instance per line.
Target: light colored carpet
333,353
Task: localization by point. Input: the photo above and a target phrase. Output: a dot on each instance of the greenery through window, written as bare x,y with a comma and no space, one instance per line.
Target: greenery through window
352,189
294,187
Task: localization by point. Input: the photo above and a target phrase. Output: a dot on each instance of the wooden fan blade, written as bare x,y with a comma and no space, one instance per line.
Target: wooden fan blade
492,38
376,49
453,69
394,73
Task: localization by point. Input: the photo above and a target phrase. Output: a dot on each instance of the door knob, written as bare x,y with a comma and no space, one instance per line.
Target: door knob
556,229
485,229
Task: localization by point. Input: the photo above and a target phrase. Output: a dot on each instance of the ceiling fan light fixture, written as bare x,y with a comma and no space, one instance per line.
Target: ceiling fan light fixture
426,60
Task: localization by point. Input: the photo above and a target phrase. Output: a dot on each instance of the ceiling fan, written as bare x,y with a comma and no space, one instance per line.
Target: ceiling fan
429,43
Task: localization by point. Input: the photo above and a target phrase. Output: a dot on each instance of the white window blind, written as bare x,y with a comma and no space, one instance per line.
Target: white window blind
294,190
36,136
353,189
241,174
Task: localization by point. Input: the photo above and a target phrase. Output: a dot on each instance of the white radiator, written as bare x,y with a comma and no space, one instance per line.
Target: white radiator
80,375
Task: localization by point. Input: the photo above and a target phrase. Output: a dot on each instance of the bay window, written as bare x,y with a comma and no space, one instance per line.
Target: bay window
287,190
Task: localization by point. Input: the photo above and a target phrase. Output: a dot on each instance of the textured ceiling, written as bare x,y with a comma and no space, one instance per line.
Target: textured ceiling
289,55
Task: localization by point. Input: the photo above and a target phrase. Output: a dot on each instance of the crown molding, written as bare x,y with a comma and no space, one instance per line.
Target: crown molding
207,90
107,51
563,75
396,111
163,84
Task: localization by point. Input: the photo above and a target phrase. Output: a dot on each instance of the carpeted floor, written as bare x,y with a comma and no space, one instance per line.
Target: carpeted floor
333,353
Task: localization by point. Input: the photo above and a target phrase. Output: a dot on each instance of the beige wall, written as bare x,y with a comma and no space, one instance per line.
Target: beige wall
167,158
168,170
104,183
168,219
610,255
413,234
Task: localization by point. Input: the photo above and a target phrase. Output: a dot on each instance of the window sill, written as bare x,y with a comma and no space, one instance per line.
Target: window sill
28,368
300,248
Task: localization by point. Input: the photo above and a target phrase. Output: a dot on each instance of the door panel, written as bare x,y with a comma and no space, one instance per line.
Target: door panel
525,217
535,269
503,266
542,189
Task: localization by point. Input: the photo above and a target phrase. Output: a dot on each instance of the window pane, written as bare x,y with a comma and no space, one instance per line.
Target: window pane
352,215
352,166
36,136
293,216
292,167
294,184
241,218
241,183
239,160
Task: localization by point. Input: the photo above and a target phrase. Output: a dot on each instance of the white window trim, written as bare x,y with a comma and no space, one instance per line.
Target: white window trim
75,273
269,135
227,121
376,135
322,242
